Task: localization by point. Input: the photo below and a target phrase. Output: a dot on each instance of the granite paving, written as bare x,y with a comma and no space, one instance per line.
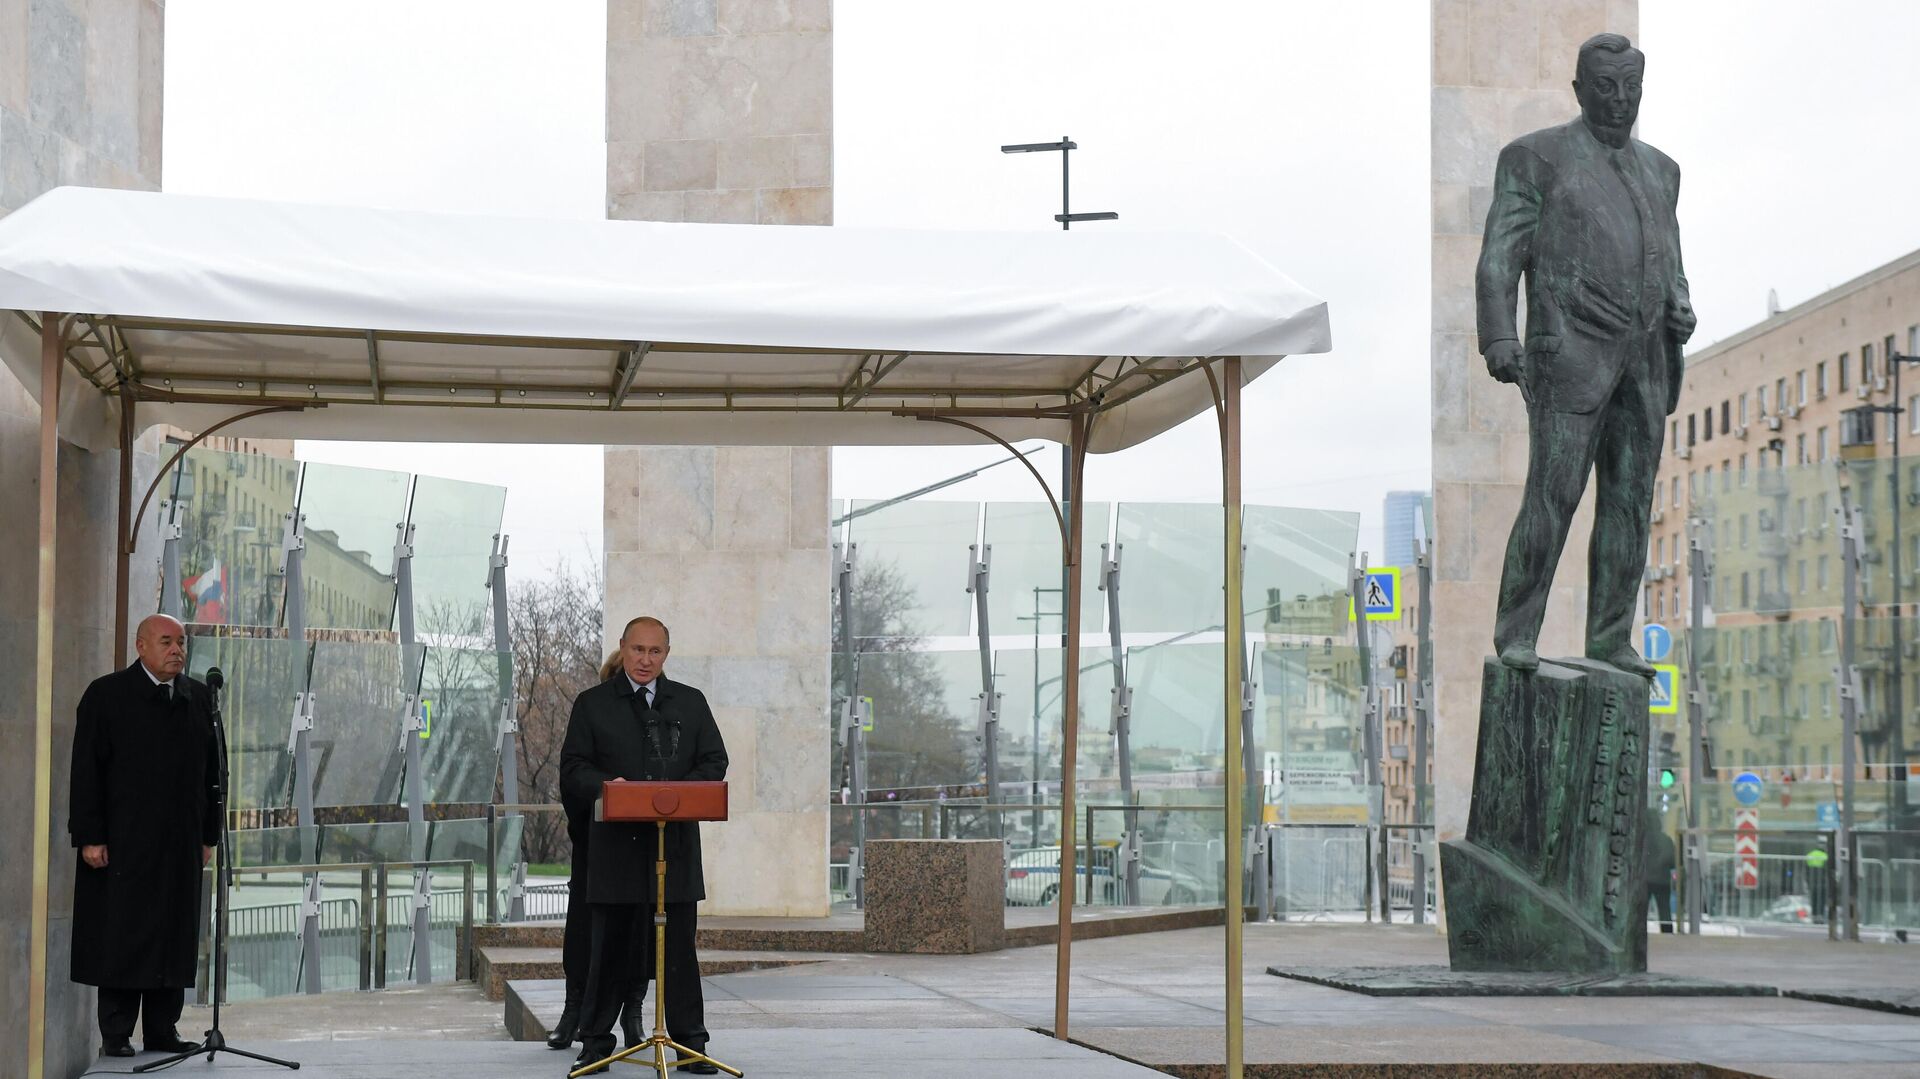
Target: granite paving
1158,999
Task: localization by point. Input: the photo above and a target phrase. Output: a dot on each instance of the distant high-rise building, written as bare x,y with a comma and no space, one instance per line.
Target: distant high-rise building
1402,509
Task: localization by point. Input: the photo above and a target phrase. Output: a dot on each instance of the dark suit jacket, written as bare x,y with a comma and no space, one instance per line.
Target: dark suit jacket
1602,265
607,740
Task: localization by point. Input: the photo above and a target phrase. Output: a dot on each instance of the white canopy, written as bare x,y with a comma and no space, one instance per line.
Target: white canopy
626,331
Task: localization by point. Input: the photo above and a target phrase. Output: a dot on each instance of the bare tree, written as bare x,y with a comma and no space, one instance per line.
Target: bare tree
555,628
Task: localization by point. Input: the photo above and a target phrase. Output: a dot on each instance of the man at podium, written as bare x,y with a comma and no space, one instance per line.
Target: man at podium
639,725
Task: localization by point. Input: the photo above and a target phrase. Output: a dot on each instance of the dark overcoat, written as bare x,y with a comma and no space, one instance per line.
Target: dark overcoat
608,737
145,771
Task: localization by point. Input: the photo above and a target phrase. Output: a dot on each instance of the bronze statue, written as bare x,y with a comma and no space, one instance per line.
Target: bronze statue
1586,212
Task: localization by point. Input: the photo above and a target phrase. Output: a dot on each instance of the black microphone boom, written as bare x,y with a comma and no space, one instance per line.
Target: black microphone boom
215,680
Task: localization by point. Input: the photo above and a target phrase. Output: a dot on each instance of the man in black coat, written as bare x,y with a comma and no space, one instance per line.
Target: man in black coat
641,725
145,815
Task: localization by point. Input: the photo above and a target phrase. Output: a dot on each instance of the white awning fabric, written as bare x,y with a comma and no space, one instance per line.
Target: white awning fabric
423,326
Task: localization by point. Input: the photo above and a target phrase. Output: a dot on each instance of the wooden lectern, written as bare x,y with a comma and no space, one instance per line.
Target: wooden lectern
660,802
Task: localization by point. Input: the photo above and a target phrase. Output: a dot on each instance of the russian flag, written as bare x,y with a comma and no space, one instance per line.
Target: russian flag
208,591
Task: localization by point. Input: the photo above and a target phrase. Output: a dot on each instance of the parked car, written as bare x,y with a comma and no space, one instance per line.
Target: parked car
1033,879
1789,908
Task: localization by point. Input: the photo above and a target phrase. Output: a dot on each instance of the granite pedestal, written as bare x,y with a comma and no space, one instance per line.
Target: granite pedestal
1549,877
935,896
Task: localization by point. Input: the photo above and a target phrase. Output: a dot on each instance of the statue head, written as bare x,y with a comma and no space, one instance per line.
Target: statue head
1606,80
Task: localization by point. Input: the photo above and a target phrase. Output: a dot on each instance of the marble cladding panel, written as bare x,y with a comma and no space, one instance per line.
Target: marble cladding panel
57,68
935,896
680,164
809,509
739,727
720,207
756,865
750,498
13,55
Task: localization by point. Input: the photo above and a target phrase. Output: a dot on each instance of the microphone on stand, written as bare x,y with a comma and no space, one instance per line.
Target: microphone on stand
215,680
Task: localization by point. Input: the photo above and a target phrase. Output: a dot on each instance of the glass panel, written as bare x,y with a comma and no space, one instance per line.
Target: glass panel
1296,576
912,568
925,723
466,839
455,523
1170,567
358,692
263,675
1307,723
381,841
232,510
266,847
351,514
460,693
1031,699
1178,714
1025,537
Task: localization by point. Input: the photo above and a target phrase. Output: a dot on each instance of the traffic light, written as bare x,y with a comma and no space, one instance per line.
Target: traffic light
1669,760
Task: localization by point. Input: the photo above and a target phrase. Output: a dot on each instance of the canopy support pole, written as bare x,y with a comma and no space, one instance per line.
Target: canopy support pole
1227,401
123,529
1069,716
50,361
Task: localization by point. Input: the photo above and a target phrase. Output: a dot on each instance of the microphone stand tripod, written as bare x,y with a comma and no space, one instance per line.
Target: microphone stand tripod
215,1041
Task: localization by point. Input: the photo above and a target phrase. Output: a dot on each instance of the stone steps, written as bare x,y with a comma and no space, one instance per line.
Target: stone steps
498,964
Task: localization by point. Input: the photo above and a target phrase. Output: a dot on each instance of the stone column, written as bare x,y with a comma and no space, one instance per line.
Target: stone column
80,86
721,111
1501,68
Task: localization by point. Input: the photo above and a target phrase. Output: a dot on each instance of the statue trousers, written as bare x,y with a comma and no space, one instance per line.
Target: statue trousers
1619,443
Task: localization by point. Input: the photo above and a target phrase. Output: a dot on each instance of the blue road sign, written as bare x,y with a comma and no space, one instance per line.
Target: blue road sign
1382,599
1827,815
1746,789
1662,696
1656,642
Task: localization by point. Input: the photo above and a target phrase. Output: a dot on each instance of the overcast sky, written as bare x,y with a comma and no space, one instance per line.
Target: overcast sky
1299,128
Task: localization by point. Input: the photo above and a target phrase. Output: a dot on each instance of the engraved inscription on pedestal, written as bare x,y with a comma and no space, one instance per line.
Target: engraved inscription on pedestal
1549,875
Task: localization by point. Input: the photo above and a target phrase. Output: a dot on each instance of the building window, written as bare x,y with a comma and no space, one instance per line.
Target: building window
1743,470
1800,449
1660,550
1780,395
1820,379
1822,439
1673,432
1743,410
1726,410
1743,531
1820,582
1841,367
1913,415
1706,424
1726,476
1800,381
1676,492
1692,428
1866,366
1887,350
1800,576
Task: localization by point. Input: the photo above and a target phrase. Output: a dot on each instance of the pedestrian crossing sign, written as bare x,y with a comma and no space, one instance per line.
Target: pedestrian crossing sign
1382,595
1666,679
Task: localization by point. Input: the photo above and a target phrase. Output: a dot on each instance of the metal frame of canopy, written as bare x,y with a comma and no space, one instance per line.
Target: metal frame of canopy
103,350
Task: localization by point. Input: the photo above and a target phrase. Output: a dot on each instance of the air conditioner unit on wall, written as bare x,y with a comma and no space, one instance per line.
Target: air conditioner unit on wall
1740,431
1863,392
1773,423
1683,452
1793,412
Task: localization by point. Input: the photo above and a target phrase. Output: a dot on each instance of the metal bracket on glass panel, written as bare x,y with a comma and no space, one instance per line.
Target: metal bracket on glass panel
411,722
301,720
292,535
310,898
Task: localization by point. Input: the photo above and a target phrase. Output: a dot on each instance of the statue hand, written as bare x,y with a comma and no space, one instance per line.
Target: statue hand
1680,320
1506,360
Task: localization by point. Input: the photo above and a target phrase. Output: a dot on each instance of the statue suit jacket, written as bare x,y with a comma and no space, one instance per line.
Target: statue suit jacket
1595,233
606,739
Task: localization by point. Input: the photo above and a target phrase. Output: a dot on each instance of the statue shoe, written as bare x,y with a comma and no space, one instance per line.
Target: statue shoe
1521,657
1629,661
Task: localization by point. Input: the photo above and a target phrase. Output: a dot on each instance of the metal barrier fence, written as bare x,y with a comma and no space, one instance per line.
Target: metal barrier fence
1324,871
364,941
1801,886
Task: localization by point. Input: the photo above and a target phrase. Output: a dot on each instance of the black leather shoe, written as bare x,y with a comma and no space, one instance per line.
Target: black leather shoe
116,1047
595,1050
561,1036
698,1067
174,1044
